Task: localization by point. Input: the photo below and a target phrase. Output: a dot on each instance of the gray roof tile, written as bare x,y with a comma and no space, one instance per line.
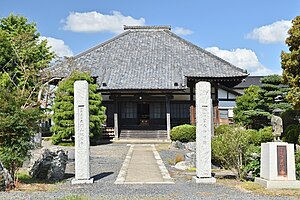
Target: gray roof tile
147,58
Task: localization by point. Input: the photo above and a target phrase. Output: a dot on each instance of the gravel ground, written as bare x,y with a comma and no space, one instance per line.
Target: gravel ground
106,161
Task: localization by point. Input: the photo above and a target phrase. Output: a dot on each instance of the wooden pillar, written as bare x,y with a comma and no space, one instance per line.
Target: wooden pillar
116,119
192,107
216,105
168,117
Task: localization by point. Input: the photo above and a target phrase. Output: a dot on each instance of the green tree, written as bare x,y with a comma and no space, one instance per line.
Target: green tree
63,108
250,111
273,93
290,63
255,107
22,57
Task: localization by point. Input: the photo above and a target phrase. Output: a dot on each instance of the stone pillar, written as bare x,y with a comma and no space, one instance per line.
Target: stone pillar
277,166
116,127
203,133
82,133
168,118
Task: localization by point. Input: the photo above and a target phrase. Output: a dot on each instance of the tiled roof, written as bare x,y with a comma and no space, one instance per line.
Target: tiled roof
147,58
250,80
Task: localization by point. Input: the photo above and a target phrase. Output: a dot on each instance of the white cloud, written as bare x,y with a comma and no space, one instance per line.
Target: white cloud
243,58
182,31
90,22
58,46
272,33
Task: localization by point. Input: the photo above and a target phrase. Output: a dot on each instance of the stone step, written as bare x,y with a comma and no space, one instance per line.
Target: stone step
143,134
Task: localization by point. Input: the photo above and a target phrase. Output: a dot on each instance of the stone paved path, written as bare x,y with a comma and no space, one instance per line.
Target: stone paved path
143,165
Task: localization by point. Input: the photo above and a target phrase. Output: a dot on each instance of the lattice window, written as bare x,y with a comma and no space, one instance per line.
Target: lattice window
129,110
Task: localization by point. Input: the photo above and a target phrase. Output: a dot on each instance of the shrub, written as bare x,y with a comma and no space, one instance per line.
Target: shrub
292,134
229,148
183,133
252,161
224,128
63,108
265,134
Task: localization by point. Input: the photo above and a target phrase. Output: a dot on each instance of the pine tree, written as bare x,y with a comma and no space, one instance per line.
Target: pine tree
63,108
254,108
273,93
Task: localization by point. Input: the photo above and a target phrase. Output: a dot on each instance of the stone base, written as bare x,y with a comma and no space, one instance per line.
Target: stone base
82,181
210,180
278,184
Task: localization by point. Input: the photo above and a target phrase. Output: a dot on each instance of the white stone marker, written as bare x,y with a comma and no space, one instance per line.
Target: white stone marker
82,138
203,133
277,166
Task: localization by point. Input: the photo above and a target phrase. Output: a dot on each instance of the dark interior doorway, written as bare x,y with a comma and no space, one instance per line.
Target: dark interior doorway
143,114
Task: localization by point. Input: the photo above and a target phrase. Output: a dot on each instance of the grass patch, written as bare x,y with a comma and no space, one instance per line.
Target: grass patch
255,187
258,189
171,161
193,169
28,184
66,144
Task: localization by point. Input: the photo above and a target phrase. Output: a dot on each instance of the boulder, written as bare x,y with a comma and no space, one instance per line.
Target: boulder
48,164
191,157
191,146
6,181
178,145
184,165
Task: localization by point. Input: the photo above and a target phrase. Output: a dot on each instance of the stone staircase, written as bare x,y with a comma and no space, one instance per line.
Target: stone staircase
144,134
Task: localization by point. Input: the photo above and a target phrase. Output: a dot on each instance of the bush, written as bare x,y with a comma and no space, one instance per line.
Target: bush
262,135
183,133
229,148
63,108
252,162
224,128
266,134
292,134
234,147
290,117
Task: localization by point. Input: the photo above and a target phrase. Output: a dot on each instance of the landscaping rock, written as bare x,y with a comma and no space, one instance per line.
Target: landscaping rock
191,157
191,146
184,165
6,181
178,145
49,164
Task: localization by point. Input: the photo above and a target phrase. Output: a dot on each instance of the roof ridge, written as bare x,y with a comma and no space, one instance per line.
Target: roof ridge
206,52
101,44
147,27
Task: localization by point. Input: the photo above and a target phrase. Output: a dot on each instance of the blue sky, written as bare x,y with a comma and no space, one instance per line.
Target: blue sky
249,34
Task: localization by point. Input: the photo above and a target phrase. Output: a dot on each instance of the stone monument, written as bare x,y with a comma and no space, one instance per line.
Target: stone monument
203,133
277,169
82,133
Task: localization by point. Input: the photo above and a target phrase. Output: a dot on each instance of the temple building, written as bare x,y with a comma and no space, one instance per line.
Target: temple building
147,78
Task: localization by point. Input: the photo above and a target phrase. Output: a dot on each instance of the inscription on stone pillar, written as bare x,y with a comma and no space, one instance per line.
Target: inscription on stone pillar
281,161
80,126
